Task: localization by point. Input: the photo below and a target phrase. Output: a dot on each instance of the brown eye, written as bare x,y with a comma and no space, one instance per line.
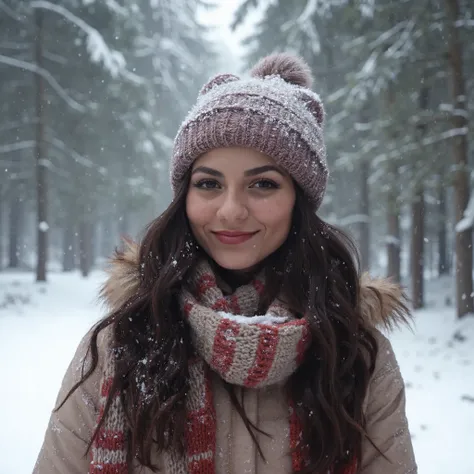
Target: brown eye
265,184
207,184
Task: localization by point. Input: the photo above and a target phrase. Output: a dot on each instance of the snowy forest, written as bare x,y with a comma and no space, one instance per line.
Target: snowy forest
92,93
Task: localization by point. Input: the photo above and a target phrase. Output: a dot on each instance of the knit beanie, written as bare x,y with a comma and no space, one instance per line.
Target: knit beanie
273,111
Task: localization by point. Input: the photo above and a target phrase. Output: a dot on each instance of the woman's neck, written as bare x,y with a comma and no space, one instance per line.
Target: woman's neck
234,278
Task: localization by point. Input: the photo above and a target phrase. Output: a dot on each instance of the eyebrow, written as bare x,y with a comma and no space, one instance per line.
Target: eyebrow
251,172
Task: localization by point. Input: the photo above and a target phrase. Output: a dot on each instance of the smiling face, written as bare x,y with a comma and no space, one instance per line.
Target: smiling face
239,205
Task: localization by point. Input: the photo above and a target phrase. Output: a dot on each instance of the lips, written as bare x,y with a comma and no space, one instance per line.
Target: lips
233,237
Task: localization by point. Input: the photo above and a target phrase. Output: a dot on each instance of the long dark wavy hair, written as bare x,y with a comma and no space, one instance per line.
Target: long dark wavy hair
315,269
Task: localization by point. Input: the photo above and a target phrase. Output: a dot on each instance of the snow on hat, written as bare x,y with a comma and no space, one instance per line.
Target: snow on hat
274,111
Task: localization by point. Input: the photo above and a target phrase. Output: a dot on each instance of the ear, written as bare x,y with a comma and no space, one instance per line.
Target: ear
217,81
314,105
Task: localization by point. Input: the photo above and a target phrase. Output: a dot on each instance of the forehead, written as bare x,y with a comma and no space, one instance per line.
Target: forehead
233,158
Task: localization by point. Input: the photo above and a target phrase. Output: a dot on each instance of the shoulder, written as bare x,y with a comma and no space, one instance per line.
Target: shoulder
384,306
82,362
386,383
386,361
386,423
72,424
79,397
83,356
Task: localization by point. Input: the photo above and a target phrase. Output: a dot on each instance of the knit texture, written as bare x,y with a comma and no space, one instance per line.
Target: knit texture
274,112
243,348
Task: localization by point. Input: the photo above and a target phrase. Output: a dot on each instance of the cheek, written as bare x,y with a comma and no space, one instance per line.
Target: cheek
276,215
198,211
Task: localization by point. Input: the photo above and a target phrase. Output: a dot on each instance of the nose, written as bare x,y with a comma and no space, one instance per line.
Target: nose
233,208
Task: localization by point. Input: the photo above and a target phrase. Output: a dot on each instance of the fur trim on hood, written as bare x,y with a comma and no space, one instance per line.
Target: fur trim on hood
383,303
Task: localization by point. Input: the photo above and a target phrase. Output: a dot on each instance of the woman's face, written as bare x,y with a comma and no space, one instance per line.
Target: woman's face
239,205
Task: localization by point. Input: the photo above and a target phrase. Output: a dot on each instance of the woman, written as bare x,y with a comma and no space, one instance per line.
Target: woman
240,337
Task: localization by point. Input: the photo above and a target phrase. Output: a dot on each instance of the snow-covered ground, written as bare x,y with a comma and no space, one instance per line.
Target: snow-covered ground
41,325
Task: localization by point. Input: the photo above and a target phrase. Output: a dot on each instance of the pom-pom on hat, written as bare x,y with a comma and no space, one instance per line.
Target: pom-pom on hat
274,111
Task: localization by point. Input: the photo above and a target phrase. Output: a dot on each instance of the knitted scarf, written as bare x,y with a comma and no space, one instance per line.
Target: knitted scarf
230,339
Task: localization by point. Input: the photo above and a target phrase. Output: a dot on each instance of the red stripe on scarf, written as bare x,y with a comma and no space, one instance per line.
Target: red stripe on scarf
198,440
224,345
201,466
106,386
187,309
206,282
111,440
266,350
201,435
235,304
222,305
304,340
298,460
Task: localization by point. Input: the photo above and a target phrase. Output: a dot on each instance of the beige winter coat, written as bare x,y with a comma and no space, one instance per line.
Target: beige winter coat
69,430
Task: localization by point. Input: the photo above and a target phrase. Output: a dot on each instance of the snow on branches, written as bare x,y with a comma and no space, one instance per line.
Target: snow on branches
113,61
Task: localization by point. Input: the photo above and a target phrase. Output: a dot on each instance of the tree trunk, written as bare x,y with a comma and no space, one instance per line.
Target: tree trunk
85,247
431,257
393,239
443,262
69,231
41,170
393,246
14,232
417,260
393,227
417,249
364,227
464,295
69,246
